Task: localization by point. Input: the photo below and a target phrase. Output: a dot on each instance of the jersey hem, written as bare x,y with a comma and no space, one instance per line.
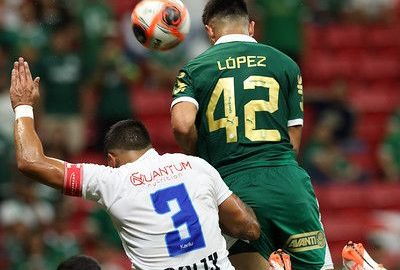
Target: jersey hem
296,122
185,99
224,197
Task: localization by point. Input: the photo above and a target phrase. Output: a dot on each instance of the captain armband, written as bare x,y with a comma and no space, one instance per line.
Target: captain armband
73,180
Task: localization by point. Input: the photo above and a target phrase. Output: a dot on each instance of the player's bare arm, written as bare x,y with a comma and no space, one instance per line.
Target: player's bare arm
238,220
295,137
31,160
183,117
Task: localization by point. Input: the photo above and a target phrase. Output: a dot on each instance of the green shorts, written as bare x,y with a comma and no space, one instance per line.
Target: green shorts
286,207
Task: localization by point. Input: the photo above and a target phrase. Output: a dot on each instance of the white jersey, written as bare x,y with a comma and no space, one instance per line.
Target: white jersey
165,208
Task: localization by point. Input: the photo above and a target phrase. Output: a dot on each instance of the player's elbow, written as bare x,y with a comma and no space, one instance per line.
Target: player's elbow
182,128
253,230
28,165
246,228
25,166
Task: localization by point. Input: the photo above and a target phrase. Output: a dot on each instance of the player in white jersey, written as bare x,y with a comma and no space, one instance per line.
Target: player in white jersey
166,208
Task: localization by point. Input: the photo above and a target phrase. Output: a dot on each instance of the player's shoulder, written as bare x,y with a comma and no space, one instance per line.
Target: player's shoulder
197,162
279,55
198,61
99,169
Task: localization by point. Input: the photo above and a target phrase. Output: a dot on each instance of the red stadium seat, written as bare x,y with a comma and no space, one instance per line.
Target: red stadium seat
371,128
339,197
381,36
344,36
383,196
347,225
314,37
89,157
319,67
373,67
374,98
147,103
161,133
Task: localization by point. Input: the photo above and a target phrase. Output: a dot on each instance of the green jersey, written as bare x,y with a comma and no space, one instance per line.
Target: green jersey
247,95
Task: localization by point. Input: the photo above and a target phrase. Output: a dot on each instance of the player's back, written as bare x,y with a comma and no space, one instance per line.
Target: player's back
247,93
165,208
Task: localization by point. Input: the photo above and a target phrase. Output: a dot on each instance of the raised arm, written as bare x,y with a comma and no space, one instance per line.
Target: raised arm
238,220
31,161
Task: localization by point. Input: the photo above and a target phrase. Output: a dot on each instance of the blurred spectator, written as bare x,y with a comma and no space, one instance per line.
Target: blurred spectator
6,112
53,13
59,241
100,225
389,153
6,123
334,104
325,160
281,24
61,71
25,207
95,17
6,148
14,241
36,255
326,11
162,67
112,79
106,256
9,14
372,10
32,39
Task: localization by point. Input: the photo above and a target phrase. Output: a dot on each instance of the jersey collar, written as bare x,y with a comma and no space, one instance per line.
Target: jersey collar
149,154
234,38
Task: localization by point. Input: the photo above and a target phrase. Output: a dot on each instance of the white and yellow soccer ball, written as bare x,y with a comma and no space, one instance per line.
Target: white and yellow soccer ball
160,24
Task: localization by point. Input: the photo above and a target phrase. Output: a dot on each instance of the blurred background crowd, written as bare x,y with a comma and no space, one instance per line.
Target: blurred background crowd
94,73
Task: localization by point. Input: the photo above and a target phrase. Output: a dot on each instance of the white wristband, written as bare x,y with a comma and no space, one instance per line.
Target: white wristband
23,111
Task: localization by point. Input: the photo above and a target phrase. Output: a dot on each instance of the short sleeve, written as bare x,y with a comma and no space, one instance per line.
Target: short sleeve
183,89
99,184
220,189
296,107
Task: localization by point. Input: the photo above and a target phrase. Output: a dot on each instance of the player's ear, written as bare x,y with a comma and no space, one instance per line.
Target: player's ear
252,25
211,34
111,160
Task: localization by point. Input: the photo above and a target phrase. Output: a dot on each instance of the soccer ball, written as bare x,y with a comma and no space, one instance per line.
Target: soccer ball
160,24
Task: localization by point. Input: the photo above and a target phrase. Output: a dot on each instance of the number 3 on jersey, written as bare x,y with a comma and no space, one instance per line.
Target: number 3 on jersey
230,122
186,216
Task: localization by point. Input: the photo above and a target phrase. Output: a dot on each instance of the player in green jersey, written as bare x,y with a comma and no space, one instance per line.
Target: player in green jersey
239,105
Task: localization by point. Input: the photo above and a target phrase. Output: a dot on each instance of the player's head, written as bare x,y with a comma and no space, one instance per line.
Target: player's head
125,142
79,262
222,17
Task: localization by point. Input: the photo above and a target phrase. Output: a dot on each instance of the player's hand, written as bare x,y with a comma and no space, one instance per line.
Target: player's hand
24,90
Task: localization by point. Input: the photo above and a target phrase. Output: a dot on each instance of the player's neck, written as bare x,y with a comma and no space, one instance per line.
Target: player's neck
132,156
232,31
125,157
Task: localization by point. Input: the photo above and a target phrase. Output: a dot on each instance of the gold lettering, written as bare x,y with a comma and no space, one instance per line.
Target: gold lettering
251,61
261,60
240,60
220,67
230,63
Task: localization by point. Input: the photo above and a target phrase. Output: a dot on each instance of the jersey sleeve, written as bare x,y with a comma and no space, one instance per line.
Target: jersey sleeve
92,182
296,108
220,190
183,89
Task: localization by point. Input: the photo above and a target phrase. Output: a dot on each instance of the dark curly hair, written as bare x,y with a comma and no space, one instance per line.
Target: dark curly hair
224,8
127,135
